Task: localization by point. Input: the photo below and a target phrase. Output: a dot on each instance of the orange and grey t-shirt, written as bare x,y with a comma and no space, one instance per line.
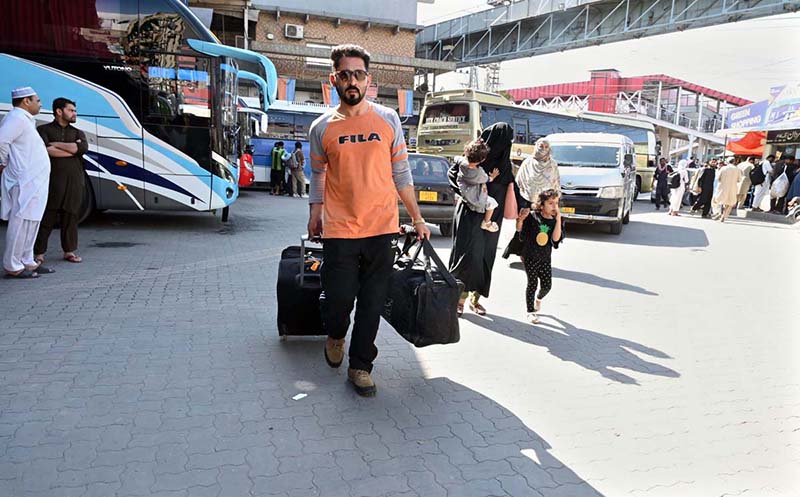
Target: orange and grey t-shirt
357,166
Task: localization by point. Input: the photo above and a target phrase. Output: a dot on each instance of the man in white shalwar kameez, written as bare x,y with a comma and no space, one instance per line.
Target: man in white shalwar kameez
762,191
24,183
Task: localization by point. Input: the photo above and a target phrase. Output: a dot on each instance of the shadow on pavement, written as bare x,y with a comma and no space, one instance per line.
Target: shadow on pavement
642,233
439,437
588,349
590,279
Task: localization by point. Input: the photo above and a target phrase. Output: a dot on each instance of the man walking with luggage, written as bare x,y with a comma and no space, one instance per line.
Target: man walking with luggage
359,166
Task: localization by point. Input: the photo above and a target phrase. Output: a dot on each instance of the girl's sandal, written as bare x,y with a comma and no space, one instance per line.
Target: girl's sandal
460,308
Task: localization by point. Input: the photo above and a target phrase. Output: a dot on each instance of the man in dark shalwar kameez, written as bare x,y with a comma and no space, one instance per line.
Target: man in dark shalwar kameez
65,146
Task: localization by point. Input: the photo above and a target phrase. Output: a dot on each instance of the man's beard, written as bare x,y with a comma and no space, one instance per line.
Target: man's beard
344,97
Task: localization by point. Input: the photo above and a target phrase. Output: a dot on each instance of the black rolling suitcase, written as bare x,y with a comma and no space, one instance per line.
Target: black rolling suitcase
299,287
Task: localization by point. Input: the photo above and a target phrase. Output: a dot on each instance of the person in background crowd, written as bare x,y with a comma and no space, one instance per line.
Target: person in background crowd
744,185
24,183
66,146
762,190
474,249
725,197
296,165
785,165
661,184
676,194
794,186
540,230
358,224
276,169
704,188
246,164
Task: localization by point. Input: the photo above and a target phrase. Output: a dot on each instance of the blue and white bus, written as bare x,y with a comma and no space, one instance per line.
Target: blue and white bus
288,123
156,95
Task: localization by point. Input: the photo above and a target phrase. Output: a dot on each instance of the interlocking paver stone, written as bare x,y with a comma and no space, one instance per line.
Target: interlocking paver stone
646,376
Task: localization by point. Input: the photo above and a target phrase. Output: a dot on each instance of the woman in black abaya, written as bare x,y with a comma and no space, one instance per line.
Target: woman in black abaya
474,249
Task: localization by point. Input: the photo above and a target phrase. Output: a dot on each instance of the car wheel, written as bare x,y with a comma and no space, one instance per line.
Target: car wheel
627,217
616,228
446,229
638,188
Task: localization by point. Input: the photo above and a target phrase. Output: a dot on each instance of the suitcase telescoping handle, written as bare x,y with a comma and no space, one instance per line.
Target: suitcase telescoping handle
303,240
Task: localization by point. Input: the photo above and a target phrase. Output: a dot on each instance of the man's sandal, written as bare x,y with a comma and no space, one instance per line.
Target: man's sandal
73,258
25,274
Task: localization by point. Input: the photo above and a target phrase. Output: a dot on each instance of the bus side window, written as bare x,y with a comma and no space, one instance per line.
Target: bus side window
302,123
281,125
520,133
488,116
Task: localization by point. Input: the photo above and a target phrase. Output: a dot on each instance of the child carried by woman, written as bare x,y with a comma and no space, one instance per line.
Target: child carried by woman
472,181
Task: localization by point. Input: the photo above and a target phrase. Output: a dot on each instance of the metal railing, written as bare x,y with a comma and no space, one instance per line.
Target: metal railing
709,124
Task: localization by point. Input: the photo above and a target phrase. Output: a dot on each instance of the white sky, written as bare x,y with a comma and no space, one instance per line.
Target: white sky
744,59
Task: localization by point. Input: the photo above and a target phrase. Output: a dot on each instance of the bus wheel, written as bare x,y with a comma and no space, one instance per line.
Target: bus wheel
225,212
638,188
87,206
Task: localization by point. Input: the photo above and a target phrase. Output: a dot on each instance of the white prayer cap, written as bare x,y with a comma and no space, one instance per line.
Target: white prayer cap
25,91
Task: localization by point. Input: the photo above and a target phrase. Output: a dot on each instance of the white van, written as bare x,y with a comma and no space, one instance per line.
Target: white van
598,177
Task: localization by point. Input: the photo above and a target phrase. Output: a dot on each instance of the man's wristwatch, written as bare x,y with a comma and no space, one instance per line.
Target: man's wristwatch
418,221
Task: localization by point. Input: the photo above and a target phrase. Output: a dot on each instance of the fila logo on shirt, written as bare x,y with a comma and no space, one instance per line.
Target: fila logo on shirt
359,138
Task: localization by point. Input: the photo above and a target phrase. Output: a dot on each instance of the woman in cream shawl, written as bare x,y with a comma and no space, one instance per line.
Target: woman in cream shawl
538,173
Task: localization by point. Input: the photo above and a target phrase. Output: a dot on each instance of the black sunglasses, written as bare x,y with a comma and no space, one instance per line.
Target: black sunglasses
346,74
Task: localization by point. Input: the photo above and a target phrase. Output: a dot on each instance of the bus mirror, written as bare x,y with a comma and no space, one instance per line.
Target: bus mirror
628,160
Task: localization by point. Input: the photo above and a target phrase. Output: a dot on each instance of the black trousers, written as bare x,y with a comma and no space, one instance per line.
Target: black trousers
356,269
662,194
703,202
69,231
538,271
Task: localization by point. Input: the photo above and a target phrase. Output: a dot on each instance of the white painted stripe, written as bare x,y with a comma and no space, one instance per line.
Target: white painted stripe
124,188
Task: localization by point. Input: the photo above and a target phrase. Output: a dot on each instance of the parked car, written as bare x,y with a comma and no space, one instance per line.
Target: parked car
598,177
435,197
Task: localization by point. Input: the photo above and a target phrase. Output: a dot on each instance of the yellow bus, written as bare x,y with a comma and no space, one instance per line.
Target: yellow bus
449,119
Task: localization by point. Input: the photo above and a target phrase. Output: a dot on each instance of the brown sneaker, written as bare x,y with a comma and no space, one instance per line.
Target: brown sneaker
362,381
334,352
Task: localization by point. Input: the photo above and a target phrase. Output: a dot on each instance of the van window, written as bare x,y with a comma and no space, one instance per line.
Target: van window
586,155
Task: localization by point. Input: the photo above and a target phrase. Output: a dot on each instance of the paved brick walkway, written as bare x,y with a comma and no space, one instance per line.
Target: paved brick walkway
154,368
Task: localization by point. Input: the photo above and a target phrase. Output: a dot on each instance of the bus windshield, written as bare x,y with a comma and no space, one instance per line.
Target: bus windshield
585,155
447,114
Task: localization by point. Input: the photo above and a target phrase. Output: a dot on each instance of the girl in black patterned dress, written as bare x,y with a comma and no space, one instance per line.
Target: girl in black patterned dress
540,230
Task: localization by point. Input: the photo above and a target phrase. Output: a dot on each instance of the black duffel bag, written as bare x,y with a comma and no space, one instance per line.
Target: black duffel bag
422,301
